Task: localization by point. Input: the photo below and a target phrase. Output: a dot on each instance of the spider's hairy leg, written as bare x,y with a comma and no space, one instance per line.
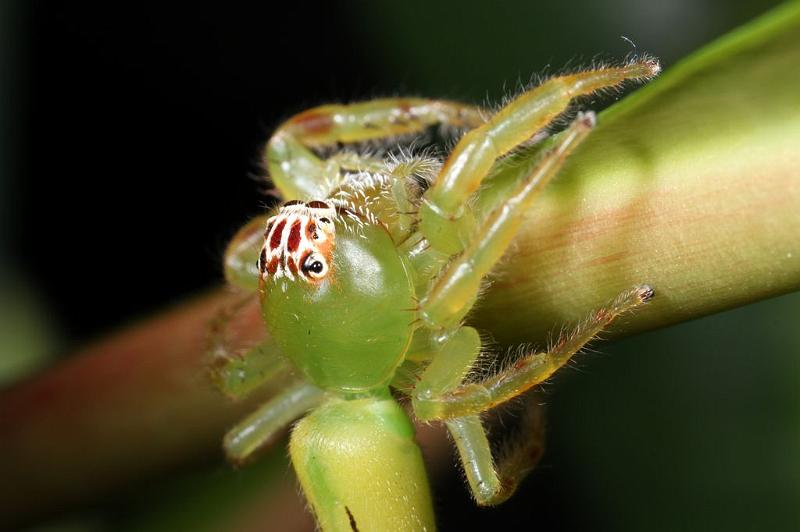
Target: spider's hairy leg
241,255
444,220
455,354
242,362
493,481
528,371
299,173
273,416
237,373
454,292
357,162
490,482
376,119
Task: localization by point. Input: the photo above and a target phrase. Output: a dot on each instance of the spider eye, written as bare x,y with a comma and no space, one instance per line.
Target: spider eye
325,220
314,266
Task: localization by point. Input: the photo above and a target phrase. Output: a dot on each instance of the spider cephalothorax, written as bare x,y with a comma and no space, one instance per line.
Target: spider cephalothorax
298,242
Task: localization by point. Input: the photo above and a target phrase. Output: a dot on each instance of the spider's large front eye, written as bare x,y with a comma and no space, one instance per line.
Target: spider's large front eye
315,266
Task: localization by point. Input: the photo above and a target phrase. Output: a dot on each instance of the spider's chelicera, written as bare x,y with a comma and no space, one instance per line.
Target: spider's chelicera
365,279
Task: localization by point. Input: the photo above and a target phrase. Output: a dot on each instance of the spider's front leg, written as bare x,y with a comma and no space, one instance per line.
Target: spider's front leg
456,288
444,220
454,292
528,371
240,367
493,481
270,419
440,394
299,173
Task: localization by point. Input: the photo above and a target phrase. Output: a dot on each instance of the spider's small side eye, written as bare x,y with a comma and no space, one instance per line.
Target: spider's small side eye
315,267
325,220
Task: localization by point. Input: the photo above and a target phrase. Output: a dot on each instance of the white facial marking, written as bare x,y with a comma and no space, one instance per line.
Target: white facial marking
298,242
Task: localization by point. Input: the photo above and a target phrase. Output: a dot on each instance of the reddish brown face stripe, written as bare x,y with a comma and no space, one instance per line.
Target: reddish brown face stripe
303,260
277,233
301,232
262,263
294,236
272,267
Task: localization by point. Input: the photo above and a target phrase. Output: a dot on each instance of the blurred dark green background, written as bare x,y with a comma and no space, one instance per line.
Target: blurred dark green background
128,138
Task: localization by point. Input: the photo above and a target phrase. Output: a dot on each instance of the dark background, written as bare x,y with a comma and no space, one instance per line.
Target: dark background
132,138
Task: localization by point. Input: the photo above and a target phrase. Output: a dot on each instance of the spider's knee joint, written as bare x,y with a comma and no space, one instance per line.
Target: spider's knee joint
447,232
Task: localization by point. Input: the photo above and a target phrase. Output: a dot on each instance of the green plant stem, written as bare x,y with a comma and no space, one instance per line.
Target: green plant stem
138,402
691,185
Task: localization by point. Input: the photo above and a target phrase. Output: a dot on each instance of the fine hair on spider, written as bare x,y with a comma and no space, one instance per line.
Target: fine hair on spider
366,276
577,65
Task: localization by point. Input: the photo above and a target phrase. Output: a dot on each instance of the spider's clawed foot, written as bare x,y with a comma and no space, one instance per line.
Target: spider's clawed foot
645,293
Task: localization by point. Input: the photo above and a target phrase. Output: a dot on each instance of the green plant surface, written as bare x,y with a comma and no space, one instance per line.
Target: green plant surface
691,184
